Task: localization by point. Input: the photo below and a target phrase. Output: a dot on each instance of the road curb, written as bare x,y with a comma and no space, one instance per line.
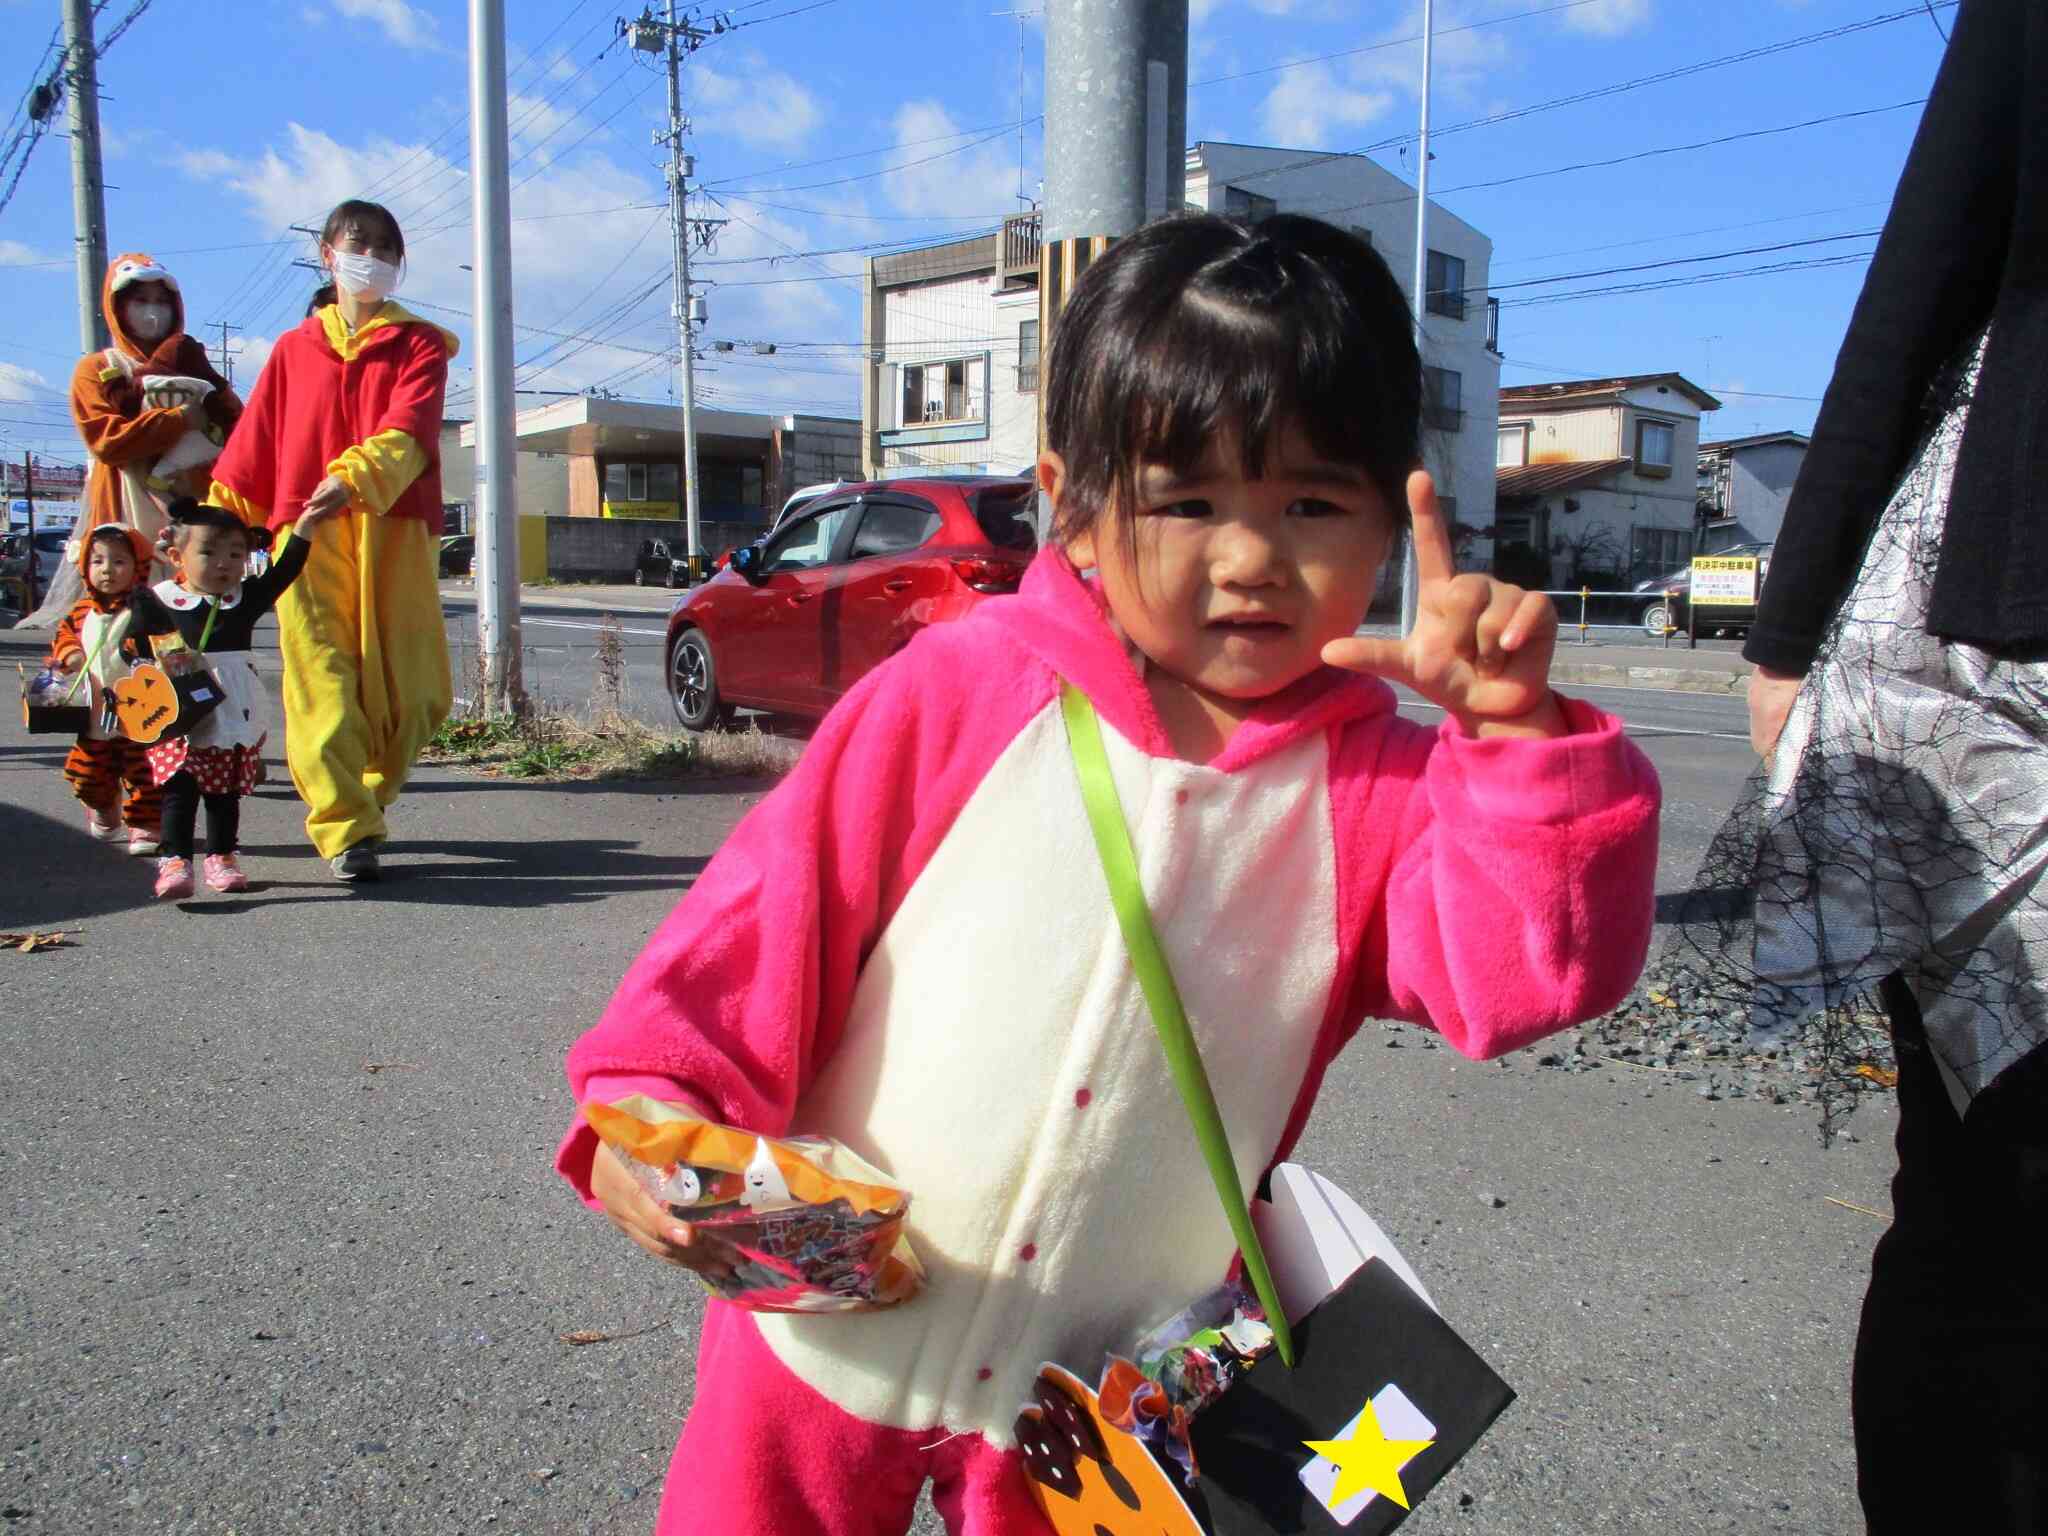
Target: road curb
1673,679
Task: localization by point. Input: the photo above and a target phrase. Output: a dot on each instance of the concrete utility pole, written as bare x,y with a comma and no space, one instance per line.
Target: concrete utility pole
496,483
88,187
227,359
1116,115
1409,580
673,39
1116,129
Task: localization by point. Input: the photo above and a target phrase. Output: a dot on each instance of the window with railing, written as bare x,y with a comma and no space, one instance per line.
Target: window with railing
1446,285
937,393
1027,356
1443,399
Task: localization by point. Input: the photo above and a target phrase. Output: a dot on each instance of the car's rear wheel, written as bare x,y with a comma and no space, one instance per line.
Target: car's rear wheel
693,683
1657,619
671,583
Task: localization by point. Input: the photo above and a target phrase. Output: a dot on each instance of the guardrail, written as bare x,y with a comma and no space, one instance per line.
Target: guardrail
1585,595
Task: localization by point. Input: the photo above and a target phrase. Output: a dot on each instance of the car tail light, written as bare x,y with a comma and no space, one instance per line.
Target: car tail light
988,575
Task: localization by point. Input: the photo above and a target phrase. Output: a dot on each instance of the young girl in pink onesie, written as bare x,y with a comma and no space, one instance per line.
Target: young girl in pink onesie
909,945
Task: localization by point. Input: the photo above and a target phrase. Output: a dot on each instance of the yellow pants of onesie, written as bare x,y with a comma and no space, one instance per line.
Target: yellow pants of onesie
366,678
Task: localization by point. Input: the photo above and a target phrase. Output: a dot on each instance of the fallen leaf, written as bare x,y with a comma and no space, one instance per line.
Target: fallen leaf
598,1336
1662,1000
29,943
1884,1077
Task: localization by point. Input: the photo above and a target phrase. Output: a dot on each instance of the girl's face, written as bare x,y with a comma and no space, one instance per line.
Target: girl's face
1233,586
213,560
110,568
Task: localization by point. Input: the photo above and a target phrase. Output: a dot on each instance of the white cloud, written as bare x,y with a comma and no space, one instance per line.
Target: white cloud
569,233
928,178
15,254
1608,18
406,25
755,105
206,164
1309,104
19,385
250,353
535,123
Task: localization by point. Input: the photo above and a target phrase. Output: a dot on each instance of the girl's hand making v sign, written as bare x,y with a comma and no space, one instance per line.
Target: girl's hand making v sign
1480,649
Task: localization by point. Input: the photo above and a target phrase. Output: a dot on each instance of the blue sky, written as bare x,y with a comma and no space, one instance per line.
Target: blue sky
854,123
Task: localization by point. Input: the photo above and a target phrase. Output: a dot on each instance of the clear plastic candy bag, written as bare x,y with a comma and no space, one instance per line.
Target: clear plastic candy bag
804,1224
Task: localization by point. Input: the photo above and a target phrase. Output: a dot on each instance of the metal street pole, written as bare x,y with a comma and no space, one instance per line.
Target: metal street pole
1409,580
1116,94
679,220
496,480
88,188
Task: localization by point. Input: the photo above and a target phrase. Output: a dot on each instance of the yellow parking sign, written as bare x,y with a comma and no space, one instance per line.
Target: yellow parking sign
1726,581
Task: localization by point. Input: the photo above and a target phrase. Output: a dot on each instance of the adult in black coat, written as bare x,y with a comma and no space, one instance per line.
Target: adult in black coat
1951,1381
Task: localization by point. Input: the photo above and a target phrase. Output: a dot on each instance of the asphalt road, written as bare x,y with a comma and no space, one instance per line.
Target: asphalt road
1699,742
281,1249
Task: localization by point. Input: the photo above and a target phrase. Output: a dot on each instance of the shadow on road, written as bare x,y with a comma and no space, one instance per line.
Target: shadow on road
56,874
506,875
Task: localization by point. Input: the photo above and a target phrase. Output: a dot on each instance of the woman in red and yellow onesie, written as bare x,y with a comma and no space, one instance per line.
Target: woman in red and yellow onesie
347,415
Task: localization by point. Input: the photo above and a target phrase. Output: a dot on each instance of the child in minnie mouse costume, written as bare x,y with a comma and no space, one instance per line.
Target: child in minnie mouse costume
213,606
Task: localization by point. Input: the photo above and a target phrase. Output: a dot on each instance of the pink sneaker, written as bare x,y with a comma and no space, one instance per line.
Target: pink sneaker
173,879
104,827
142,843
224,874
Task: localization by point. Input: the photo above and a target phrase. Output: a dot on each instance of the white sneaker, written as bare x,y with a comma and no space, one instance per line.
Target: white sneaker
105,828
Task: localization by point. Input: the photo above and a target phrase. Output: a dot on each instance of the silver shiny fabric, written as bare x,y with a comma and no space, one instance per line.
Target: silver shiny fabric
1904,819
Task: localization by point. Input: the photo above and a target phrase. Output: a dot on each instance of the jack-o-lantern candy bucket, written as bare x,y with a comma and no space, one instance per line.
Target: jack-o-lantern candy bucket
154,703
53,704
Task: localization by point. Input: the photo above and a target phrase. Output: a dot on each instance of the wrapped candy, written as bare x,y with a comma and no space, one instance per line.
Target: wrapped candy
800,1224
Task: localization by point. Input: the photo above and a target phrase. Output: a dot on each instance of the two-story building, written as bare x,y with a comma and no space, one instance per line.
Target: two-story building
952,330
1594,479
1744,483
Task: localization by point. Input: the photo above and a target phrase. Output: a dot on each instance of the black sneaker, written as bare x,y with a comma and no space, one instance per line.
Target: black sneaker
356,863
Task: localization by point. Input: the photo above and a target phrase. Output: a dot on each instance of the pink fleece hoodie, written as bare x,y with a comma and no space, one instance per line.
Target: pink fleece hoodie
909,946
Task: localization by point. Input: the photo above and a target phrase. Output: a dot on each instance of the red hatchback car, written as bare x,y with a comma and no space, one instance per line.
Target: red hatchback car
801,615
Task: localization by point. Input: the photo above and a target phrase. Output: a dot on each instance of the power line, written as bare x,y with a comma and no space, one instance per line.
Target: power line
1675,261
1687,234
1644,154
1695,281
1514,114
1397,42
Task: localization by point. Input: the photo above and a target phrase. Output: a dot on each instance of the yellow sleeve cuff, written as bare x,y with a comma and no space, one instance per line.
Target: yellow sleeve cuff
378,471
238,504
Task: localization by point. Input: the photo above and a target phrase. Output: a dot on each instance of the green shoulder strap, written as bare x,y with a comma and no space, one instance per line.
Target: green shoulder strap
1162,997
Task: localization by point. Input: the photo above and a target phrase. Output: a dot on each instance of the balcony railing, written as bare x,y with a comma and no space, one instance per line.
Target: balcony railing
1019,254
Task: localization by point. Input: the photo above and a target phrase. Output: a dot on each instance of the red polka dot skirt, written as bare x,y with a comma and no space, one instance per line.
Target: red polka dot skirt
219,770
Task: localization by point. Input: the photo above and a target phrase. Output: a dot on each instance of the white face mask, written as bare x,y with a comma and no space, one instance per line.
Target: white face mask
364,276
150,322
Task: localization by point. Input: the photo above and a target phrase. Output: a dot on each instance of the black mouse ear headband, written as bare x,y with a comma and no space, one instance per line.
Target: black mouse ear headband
188,512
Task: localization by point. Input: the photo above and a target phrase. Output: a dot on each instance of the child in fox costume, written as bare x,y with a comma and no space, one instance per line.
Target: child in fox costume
109,773
121,429
909,946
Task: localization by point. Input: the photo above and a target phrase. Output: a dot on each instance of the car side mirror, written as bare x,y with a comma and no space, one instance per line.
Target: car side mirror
749,559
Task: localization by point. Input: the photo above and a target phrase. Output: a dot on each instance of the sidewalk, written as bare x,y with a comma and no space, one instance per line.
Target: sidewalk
284,1250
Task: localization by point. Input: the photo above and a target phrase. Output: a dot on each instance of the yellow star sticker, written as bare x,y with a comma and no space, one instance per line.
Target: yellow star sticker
1369,1460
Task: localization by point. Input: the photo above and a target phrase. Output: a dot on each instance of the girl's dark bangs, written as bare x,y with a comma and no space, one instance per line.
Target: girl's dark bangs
1215,368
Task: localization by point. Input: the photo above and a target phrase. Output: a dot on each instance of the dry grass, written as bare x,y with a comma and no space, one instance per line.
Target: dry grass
557,747
602,741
